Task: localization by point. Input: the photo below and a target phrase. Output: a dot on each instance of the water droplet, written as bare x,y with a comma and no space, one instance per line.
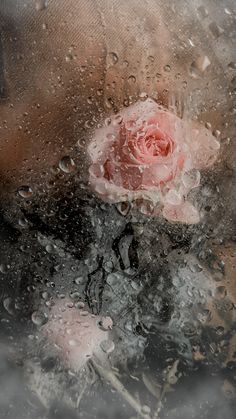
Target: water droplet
67,165
208,125
69,57
100,92
167,68
41,4
131,79
25,192
75,295
216,133
117,120
8,305
112,58
146,410
191,179
199,66
232,65
50,248
105,323
203,11
195,268
107,346
80,280
173,197
39,318
216,30
80,305
143,96
23,222
220,292
84,313
3,268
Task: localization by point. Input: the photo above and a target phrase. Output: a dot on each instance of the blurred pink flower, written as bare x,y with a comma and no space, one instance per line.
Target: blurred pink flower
148,154
75,334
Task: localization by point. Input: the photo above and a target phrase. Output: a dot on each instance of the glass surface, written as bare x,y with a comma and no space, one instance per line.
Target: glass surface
117,217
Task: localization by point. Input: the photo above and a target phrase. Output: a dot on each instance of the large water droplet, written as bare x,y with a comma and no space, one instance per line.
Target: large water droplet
67,165
199,66
3,268
107,346
105,323
39,318
25,192
8,305
191,179
215,29
131,79
173,197
112,58
167,68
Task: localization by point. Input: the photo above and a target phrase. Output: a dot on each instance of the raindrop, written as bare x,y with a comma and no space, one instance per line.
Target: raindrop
80,280
23,222
117,120
216,133
227,11
232,65
105,323
203,11
112,59
220,292
25,192
131,79
167,68
146,410
69,57
99,92
208,125
80,305
107,346
50,248
81,142
39,318
199,66
143,96
67,165
3,268
191,179
173,197
8,305
216,30
75,295
196,268
84,313
41,4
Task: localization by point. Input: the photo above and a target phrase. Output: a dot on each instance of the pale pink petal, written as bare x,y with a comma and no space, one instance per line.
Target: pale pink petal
203,145
75,336
184,213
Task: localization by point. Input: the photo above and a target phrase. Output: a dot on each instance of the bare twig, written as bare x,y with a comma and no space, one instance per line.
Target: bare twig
116,383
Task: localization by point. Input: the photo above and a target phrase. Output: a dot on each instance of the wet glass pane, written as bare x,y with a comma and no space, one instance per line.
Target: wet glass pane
117,216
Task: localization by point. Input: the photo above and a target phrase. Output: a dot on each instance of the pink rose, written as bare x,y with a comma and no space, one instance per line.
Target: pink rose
75,334
148,154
